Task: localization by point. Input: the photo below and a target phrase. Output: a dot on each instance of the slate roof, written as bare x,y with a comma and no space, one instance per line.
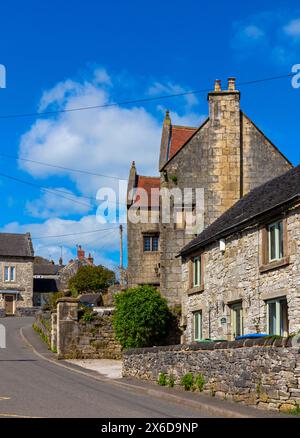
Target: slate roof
46,269
259,201
16,245
95,299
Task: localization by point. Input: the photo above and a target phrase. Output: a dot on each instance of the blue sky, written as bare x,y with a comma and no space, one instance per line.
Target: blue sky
66,54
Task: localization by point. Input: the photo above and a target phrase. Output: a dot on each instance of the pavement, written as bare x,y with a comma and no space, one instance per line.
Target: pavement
106,367
33,383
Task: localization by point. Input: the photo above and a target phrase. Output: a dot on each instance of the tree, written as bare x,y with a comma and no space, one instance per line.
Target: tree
141,317
91,279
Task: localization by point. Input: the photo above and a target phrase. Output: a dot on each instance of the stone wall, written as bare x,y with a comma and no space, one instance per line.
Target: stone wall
141,264
264,373
95,339
77,338
235,276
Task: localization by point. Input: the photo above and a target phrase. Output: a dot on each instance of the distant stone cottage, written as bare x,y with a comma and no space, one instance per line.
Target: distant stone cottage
227,156
16,274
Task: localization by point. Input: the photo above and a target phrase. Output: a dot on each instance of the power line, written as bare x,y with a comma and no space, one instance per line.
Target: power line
76,234
58,192
133,101
45,189
61,167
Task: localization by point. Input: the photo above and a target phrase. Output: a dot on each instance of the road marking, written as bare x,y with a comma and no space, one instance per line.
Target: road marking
5,398
17,416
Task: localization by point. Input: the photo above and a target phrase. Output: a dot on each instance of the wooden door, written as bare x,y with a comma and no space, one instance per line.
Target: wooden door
9,304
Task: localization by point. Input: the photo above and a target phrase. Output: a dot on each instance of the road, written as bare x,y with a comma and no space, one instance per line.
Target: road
33,387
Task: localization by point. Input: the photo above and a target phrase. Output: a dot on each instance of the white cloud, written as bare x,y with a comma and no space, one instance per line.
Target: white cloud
267,36
101,141
293,28
187,119
160,89
253,32
62,204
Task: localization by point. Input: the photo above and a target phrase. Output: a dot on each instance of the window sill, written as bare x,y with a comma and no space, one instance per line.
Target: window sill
274,265
195,290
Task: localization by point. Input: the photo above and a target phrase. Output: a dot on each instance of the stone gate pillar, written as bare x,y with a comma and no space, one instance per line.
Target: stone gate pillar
67,324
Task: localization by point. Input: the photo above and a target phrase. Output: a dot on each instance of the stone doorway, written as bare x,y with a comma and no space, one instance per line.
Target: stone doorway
9,305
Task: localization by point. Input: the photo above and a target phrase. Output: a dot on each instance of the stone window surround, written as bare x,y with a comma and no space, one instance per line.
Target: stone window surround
285,260
195,289
10,265
150,234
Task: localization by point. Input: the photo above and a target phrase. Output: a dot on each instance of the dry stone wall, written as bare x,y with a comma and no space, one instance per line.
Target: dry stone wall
264,373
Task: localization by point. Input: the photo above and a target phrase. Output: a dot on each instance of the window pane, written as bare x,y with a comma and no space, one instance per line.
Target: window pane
196,269
147,243
272,243
280,237
12,273
179,220
154,243
272,318
6,273
197,326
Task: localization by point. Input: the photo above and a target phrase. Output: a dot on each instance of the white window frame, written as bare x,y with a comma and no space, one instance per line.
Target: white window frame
278,316
277,225
233,309
197,271
151,239
10,277
197,325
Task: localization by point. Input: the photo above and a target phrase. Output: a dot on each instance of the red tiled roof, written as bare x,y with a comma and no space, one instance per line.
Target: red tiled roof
179,136
147,183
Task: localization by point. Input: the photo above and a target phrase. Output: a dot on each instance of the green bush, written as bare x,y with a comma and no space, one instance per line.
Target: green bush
171,381
91,279
187,381
200,382
141,317
87,314
162,379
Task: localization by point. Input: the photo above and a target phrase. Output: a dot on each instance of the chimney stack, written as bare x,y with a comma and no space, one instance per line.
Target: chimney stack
218,85
90,259
231,84
80,253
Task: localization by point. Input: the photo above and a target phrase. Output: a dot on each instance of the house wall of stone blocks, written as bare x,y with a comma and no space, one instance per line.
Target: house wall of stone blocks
227,156
234,275
23,283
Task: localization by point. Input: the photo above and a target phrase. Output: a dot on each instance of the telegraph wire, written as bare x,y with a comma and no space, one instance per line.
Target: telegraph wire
134,101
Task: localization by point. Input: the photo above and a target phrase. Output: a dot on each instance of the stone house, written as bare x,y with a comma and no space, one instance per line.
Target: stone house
226,156
16,273
70,269
241,275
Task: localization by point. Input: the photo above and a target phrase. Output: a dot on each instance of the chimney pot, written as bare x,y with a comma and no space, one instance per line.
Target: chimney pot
80,253
231,84
217,85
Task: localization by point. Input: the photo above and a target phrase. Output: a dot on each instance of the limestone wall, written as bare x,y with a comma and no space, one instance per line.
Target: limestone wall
262,373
